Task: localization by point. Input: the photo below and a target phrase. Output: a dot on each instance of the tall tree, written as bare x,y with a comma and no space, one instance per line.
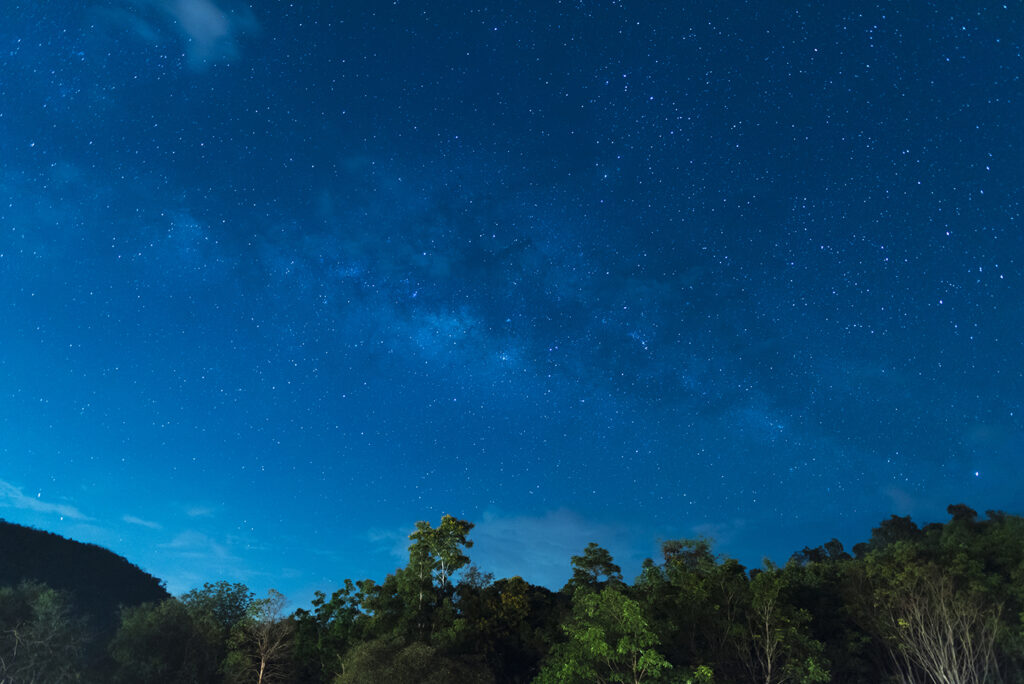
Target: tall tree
437,553
697,605
594,569
261,642
780,648
323,635
416,601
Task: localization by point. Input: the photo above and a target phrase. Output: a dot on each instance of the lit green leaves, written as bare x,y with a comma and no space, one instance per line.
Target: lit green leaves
609,641
440,551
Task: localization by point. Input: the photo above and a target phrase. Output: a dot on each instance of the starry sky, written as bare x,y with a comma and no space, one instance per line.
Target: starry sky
280,279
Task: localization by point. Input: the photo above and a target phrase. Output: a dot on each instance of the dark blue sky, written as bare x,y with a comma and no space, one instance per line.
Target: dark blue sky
279,281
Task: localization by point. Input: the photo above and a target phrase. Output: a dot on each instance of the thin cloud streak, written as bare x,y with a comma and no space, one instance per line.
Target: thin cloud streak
12,497
539,548
131,519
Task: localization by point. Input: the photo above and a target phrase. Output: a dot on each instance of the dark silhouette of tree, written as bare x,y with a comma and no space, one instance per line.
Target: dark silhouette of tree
594,570
216,609
890,531
392,660
163,643
41,639
324,635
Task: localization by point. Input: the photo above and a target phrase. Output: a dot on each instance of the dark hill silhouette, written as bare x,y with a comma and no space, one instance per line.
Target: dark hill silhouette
99,580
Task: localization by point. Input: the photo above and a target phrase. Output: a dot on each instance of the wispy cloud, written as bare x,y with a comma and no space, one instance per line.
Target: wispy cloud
199,512
193,557
144,523
12,497
539,548
394,542
721,533
192,544
210,30
536,548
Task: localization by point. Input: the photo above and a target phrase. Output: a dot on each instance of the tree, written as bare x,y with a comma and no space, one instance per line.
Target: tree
324,635
261,642
416,602
948,601
609,641
216,609
222,604
437,553
162,643
697,606
934,628
510,624
825,585
41,640
895,529
392,660
595,569
781,649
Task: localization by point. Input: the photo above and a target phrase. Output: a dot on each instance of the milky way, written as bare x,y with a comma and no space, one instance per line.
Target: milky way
280,281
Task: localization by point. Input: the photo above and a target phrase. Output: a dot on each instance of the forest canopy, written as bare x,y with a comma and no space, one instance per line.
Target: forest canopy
943,602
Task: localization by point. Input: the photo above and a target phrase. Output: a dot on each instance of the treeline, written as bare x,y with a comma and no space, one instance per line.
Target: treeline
939,603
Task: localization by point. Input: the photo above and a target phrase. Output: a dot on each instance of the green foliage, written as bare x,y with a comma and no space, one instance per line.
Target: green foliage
222,604
182,640
510,624
609,641
392,660
261,643
595,569
216,610
702,674
438,553
324,635
41,640
162,643
946,603
782,649
942,602
823,583
697,603
417,602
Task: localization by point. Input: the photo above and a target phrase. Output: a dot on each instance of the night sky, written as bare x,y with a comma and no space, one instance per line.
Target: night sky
279,280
